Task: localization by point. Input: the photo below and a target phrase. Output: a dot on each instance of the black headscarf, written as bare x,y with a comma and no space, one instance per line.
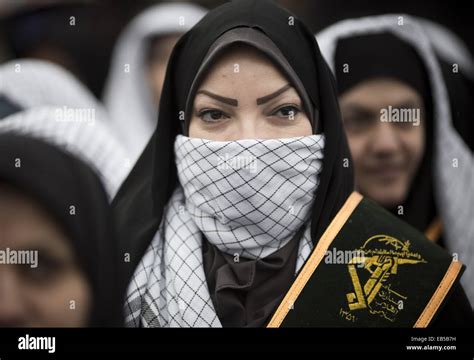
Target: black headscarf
139,204
57,181
384,55
377,56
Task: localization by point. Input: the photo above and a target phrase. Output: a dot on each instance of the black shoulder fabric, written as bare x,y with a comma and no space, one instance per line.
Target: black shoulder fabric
140,203
456,312
57,181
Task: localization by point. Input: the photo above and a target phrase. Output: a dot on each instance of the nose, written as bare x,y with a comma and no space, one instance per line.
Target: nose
385,140
12,311
247,129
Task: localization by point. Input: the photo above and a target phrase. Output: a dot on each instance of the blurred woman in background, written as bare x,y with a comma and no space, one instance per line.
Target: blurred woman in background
133,88
54,207
404,124
43,100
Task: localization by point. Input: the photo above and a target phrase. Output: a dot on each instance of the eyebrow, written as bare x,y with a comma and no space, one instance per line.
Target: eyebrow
360,110
264,99
234,102
225,100
404,104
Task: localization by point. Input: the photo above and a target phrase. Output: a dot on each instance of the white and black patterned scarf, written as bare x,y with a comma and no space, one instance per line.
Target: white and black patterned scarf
248,197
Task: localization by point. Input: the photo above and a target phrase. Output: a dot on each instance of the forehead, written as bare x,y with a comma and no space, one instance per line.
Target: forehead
240,64
23,220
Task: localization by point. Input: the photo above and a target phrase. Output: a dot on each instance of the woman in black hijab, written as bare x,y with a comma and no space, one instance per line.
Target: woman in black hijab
139,205
205,265
417,162
409,191
55,208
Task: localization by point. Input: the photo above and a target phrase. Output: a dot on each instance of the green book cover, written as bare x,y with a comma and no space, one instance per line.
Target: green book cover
369,269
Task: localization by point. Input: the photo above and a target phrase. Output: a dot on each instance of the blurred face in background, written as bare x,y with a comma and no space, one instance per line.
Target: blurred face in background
386,154
53,294
160,52
245,96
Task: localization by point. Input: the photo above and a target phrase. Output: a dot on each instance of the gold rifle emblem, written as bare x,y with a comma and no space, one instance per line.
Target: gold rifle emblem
382,256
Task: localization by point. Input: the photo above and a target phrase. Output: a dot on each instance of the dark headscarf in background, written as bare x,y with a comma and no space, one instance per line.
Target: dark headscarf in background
57,180
384,55
381,55
140,202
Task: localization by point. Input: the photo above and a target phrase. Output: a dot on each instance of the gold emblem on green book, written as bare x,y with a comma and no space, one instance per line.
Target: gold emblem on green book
382,255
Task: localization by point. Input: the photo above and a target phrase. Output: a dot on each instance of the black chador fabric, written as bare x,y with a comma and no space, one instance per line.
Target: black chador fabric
57,181
139,205
370,57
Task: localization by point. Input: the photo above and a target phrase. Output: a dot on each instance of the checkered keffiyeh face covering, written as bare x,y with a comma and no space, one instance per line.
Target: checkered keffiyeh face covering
247,197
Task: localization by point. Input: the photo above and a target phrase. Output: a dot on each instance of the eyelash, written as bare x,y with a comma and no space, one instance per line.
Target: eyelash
48,269
205,112
296,110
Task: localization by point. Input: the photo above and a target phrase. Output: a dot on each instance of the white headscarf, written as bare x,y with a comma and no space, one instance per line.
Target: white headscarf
454,186
90,141
127,95
58,109
30,83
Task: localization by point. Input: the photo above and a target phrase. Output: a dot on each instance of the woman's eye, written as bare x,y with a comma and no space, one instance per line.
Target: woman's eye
46,270
288,112
357,124
212,115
